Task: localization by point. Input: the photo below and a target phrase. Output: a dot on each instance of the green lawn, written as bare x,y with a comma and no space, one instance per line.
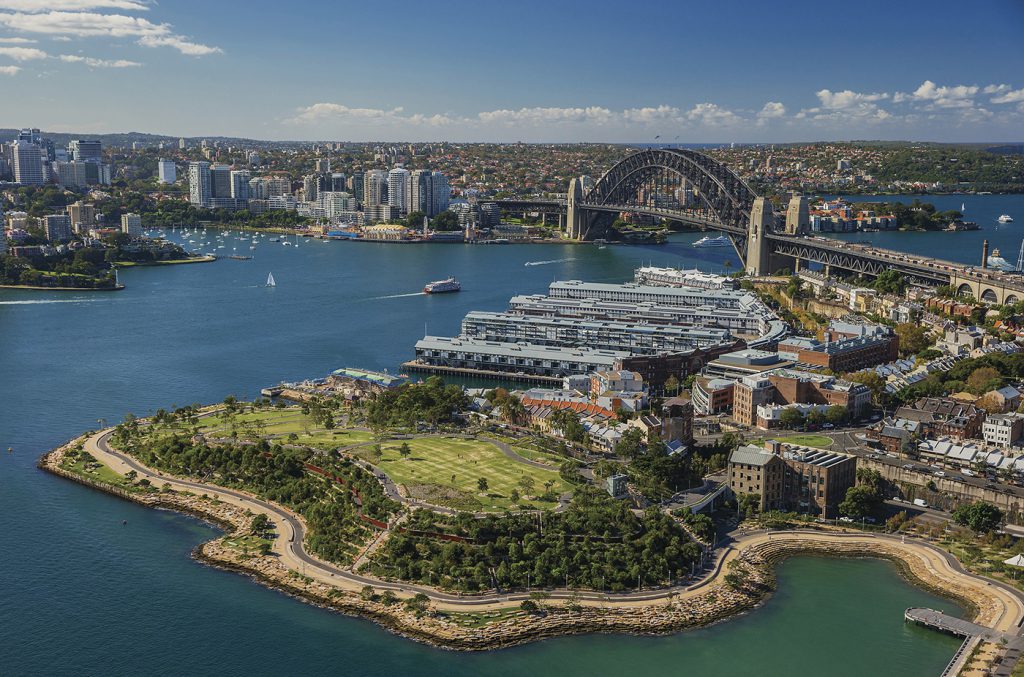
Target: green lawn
277,424
436,460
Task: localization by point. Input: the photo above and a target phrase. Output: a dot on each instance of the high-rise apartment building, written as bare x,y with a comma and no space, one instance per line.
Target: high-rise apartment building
398,190
199,188
82,216
166,171
57,227
220,181
375,188
131,224
355,185
240,184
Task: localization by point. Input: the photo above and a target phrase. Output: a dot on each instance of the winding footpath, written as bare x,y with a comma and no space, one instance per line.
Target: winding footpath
291,530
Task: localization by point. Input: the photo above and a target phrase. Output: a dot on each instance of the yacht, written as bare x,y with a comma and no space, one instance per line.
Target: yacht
442,286
1005,218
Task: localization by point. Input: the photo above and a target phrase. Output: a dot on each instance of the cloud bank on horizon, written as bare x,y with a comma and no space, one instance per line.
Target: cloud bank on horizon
954,106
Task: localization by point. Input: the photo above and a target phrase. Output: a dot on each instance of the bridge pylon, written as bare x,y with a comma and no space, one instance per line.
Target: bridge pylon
762,219
573,215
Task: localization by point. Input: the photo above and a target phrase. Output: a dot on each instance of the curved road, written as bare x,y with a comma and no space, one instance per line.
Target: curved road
290,547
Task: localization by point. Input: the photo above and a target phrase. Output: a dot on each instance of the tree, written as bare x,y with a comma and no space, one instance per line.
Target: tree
913,338
837,414
260,525
446,220
404,451
630,445
414,220
513,496
791,417
979,516
984,379
529,606
527,483
860,501
672,385
481,484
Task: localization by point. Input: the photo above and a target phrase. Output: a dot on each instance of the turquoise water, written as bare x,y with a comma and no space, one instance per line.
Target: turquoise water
81,593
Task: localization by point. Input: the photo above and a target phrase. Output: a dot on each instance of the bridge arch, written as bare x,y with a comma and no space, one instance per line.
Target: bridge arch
1011,299
720,190
989,296
965,290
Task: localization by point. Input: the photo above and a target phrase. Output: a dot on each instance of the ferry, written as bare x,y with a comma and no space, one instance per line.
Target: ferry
442,286
1005,218
997,262
721,241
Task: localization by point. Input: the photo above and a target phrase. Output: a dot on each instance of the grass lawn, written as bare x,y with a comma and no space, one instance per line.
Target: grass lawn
99,472
807,440
530,452
436,460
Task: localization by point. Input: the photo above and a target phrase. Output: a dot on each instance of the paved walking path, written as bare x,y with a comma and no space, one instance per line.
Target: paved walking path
290,547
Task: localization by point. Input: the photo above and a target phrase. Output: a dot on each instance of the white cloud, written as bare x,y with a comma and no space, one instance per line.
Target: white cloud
72,5
320,112
22,53
542,115
180,43
93,24
847,99
99,63
772,109
958,96
654,114
1012,96
712,115
9,70
17,41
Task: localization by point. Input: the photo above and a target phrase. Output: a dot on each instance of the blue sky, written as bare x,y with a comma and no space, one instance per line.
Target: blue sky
695,71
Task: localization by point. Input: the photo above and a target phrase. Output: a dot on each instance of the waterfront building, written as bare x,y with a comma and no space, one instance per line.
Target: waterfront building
220,181
469,354
199,187
677,277
166,171
634,337
57,227
27,162
379,213
791,477
636,293
82,216
398,190
131,224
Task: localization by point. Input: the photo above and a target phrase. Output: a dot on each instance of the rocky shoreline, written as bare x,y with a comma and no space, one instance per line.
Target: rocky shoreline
744,584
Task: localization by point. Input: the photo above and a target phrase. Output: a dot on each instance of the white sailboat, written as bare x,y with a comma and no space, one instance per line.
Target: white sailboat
270,280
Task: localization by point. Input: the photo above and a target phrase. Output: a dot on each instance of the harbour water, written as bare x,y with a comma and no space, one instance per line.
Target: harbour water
80,592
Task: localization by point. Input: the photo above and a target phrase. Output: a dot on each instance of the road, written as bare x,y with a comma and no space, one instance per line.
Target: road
289,546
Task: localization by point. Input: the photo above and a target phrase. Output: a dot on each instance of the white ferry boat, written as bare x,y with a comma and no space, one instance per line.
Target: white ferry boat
721,241
1005,218
442,286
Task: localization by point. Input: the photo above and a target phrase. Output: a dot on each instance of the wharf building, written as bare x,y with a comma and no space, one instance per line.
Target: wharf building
678,277
760,400
470,354
792,478
636,338
637,293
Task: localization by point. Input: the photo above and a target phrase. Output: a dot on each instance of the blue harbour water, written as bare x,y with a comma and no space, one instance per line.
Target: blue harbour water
81,593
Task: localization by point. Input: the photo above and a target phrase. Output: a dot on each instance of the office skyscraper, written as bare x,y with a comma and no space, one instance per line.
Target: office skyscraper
85,151
28,162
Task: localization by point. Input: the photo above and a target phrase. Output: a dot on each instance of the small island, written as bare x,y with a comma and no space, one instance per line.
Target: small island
447,519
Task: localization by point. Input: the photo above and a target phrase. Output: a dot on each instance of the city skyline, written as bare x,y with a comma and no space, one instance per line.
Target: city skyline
699,74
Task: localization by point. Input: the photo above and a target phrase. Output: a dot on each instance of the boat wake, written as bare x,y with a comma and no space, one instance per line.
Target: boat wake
44,301
545,263
395,296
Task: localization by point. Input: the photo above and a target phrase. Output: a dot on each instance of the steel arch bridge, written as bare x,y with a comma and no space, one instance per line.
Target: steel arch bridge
644,181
